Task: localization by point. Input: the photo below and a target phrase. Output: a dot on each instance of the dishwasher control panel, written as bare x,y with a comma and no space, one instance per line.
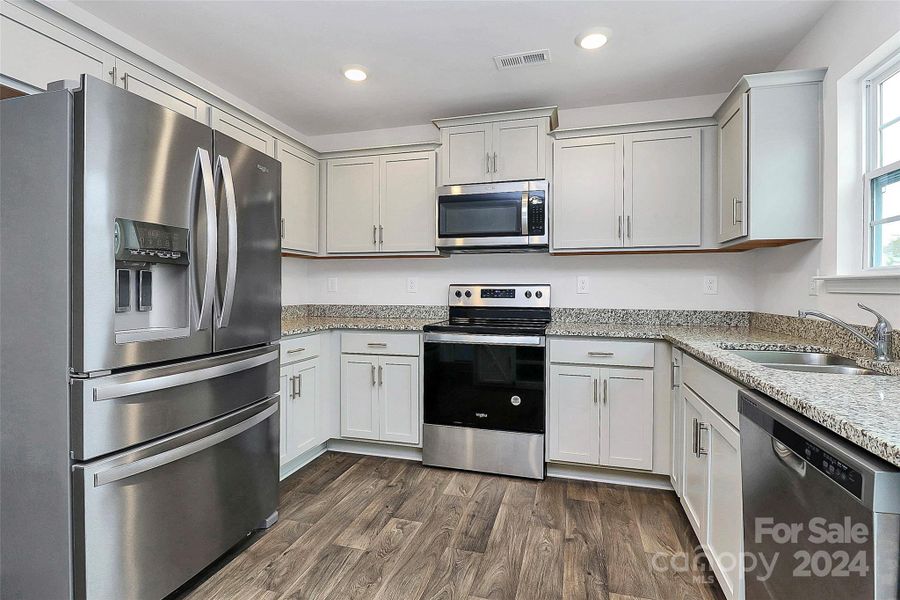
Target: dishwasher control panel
845,476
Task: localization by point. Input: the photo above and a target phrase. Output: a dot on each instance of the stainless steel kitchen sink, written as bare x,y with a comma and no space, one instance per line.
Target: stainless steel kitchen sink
809,362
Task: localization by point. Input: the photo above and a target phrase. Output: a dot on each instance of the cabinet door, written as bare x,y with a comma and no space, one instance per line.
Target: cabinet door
359,397
242,131
303,415
299,198
138,81
519,149
406,211
285,392
626,418
733,173
695,478
662,188
352,204
587,193
398,399
36,53
722,442
573,429
466,154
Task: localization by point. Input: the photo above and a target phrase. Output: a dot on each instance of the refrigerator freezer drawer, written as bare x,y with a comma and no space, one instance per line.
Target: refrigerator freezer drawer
114,412
147,520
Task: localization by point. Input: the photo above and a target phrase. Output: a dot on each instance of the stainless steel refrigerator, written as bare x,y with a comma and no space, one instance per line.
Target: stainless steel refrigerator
140,302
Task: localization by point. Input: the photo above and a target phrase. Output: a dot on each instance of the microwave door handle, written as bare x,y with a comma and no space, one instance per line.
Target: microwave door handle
204,164
224,167
525,213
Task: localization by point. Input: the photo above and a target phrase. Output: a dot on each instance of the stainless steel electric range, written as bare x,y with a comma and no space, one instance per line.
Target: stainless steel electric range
485,371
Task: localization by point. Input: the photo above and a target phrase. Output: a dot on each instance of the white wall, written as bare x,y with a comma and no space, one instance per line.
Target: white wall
848,34
617,281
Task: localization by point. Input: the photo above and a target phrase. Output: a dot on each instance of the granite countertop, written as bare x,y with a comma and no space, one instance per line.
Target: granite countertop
862,409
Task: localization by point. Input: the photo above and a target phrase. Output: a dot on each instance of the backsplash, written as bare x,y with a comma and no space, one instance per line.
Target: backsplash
626,316
368,311
821,331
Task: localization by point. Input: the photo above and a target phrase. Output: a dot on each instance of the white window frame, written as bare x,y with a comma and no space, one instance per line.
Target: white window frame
872,151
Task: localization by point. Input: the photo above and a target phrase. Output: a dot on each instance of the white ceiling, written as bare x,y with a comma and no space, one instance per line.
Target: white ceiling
434,59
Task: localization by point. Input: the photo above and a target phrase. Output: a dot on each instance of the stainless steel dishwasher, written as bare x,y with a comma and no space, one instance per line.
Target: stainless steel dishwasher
820,514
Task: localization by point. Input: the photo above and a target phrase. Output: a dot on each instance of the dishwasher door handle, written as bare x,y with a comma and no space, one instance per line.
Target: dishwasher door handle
789,458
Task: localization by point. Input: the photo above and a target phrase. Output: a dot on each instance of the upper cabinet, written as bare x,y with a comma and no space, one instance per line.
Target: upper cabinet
153,88
299,198
383,203
35,53
242,131
770,129
630,190
509,146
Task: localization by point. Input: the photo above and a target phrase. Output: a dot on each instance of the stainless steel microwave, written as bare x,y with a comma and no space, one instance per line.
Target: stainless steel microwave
509,216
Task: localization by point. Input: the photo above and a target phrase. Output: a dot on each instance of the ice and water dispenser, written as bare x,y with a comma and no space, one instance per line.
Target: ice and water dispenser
152,283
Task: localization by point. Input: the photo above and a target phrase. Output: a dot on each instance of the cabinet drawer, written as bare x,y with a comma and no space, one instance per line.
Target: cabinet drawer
300,348
602,352
406,344
717,390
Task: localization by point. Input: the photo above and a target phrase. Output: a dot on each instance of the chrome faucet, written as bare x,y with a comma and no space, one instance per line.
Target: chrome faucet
880,343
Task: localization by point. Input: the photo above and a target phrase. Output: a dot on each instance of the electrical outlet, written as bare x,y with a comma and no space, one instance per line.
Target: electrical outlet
710,285
582,285
332,284
813,286
412,285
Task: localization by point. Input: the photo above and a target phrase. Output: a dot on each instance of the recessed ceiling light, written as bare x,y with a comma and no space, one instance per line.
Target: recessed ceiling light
591,40
355,73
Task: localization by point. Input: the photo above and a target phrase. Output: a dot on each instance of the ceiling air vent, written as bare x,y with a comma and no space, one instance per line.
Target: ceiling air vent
522,59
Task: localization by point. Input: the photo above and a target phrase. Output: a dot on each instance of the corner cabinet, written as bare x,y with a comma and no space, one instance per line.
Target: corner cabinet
381,204
381,387
634,190
601,412
509,146
299,198
770,163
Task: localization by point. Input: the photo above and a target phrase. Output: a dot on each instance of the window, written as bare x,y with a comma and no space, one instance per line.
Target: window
882,177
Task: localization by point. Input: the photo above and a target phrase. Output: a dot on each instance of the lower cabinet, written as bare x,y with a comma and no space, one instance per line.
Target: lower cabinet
380,398
601,416
711,487
300,399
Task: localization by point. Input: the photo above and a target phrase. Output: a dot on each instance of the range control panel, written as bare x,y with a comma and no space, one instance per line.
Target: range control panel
506,296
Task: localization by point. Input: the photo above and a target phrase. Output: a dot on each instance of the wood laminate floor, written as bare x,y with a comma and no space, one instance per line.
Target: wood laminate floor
354,527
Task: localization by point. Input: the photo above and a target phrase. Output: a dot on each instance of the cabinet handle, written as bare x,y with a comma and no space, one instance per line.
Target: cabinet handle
619,234
596,393
628,227
295,350
487,158
739,218
734,211
495,162
299,378
373,375
605,390
381,234
380,375
701,427
282,227
695,438
601,353
374,235
112,75
293,387
377,345
674,366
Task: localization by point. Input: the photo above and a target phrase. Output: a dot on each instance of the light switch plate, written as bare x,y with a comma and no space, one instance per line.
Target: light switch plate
813,286
710,285
412,285
582,285
332,284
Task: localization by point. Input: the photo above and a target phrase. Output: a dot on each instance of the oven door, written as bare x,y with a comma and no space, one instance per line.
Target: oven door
485,382
483,215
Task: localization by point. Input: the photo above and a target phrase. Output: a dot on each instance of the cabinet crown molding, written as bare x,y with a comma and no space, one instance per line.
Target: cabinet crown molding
775,78
637,127
396,149
550,112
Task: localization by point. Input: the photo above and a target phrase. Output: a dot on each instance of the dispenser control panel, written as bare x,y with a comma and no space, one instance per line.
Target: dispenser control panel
142,242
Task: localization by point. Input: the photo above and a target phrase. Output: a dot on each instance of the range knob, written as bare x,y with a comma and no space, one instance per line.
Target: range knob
468,293
528,294
458,294
538,294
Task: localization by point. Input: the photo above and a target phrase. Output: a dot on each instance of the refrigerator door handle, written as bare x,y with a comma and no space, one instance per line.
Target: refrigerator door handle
163,382
209,200
163,458
223,167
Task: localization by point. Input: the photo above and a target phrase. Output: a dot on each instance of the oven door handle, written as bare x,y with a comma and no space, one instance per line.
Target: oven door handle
485,340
